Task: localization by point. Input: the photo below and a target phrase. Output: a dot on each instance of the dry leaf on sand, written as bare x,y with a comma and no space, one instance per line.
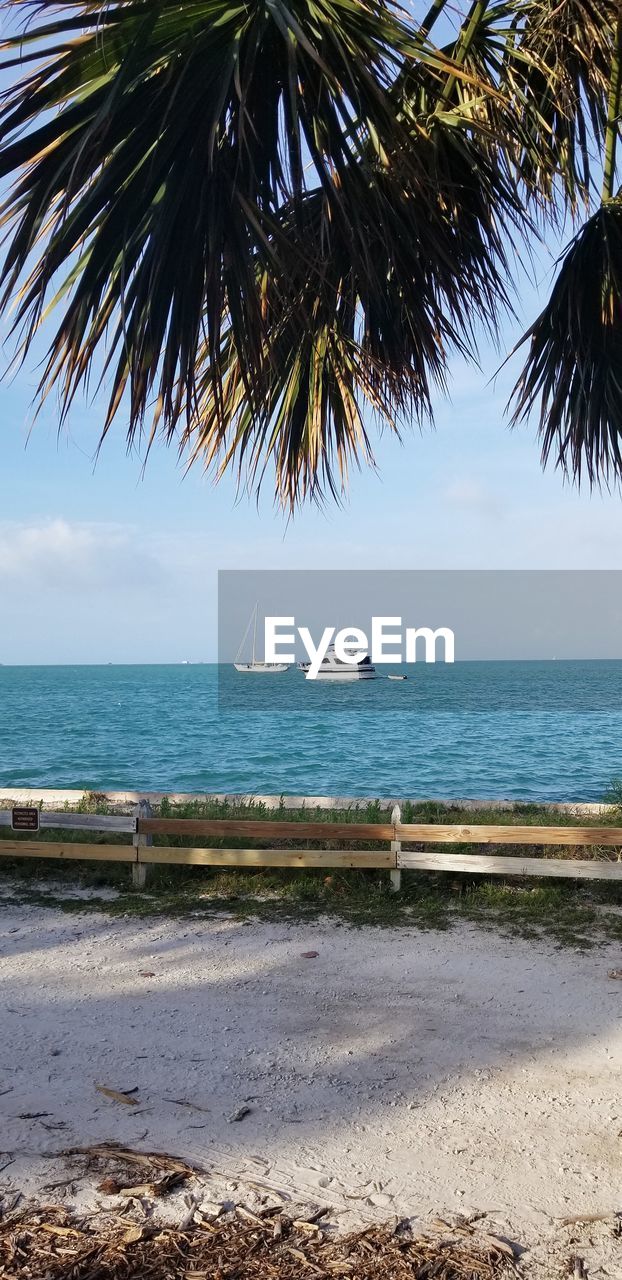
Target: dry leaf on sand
117,1095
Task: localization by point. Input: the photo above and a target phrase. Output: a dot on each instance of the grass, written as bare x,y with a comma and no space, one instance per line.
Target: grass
581,914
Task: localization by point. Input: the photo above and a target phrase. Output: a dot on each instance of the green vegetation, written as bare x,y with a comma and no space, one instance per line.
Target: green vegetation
581,914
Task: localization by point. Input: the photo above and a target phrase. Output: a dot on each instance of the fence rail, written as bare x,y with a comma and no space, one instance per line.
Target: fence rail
68,850
266,830
488,865
447,833
369,858
62,821
142,853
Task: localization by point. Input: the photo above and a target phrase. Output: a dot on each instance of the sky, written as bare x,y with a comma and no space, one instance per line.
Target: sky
104,561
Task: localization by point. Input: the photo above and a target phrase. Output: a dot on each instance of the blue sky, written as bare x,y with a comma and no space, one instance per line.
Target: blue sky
104,563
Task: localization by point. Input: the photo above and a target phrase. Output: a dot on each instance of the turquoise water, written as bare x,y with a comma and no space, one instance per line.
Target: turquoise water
163,728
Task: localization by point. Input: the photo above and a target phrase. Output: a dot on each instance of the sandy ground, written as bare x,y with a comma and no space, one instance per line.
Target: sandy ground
397,1072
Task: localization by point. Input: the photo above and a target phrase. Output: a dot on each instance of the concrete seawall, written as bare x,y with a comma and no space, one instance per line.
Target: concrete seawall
48,797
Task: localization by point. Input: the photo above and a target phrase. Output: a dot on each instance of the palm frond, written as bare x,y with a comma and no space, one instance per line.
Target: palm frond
557,71
154,141
165,153
574,365
371,314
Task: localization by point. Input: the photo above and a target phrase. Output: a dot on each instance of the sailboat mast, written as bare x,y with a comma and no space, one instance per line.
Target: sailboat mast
238,656
254,630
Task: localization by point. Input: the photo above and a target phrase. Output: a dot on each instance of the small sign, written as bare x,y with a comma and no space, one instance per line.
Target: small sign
25,818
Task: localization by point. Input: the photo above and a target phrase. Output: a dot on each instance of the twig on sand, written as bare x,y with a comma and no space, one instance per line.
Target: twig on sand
579,1271
587,1217
147,1159
166,1172
462,1227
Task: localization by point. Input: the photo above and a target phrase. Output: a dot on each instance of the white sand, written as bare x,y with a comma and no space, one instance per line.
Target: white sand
400,1072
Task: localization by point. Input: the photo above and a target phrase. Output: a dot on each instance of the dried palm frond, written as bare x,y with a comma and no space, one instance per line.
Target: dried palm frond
46,1244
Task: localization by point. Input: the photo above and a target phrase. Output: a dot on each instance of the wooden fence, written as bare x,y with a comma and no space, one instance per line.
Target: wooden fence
141,853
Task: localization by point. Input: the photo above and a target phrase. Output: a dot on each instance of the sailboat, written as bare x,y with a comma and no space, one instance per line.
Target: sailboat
259,668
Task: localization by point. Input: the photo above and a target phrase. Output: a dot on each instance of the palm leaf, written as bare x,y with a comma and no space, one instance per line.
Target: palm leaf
557,71
574,365
156,143
371,313
165,153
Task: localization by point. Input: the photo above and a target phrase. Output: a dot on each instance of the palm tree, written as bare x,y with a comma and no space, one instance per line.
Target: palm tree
262,223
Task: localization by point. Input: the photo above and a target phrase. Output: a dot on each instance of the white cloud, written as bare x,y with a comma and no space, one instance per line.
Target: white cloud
72,557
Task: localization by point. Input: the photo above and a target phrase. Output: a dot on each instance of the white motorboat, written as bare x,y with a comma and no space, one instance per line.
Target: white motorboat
397,677
255,666
334,669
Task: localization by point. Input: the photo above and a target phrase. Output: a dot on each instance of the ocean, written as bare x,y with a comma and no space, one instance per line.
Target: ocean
517,730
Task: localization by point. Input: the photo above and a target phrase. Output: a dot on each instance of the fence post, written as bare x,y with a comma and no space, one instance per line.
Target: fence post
396,847
140,870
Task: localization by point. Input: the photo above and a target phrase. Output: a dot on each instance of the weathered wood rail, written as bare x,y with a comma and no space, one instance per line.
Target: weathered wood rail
142,854
64,821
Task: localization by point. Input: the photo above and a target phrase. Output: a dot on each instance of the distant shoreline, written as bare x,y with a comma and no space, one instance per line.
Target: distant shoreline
462,662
